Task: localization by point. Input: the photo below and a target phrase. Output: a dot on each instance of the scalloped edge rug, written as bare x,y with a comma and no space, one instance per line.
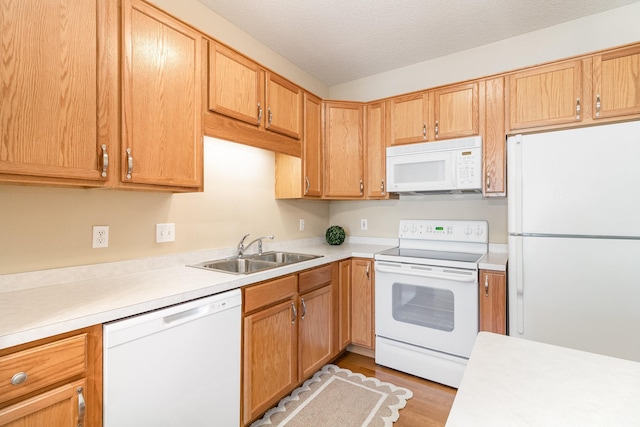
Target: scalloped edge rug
338,397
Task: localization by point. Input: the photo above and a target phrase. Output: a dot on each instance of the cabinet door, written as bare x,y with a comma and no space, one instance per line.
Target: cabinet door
409,118
494,147
616,83
312,148
284,106
62,406
344,164
375,146
269,357
456,111
493,301
548,95
362,330
344,305
58,91
162,128
234,85
314,331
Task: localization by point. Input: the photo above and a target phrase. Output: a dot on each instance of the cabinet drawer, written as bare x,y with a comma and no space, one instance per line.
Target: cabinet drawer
269,293
315,278
43,365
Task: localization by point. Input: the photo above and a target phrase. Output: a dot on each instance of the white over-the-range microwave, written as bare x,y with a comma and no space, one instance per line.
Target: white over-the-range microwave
451,166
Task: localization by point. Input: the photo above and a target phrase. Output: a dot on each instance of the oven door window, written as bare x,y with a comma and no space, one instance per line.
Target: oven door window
423,306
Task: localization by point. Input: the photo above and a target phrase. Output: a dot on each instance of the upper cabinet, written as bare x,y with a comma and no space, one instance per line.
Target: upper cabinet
409,118
546,95
234,85
456,111
494,149
616,83
375,147
162,113
251,105
312,156
58,93
343,160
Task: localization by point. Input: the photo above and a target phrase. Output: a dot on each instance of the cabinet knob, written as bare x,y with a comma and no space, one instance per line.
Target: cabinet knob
81,407
598,105
259,113
294,313
488,182
424,130
578,109
308,185
361,188
19,378
382,187
269,117
129,163
304,308
105,161
437,128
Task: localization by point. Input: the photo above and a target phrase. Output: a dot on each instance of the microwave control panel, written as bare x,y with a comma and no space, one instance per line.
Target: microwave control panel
469,168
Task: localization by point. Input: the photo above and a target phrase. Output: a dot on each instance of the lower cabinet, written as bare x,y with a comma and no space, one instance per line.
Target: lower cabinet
287,336
56,381
362,303
493,301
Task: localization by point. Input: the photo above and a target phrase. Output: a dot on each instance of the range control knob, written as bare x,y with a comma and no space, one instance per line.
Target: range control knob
479,230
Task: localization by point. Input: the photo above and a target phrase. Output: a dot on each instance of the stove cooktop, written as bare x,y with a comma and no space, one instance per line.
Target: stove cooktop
421,254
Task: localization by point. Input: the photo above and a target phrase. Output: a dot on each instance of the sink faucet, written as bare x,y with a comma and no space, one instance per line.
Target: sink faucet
242,247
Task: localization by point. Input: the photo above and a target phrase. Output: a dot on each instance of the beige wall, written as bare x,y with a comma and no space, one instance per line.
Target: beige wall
600,31
51,227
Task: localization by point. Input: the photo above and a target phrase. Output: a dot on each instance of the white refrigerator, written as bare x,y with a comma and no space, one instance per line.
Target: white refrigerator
574,238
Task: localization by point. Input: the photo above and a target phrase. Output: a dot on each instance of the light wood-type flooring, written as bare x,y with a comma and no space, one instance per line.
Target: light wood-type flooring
430,404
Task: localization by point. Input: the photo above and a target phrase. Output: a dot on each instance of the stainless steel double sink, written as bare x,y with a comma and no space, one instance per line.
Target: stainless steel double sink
255,263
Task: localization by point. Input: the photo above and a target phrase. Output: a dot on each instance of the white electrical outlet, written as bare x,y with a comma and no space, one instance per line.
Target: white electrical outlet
363,224
100,236
165,232
301,224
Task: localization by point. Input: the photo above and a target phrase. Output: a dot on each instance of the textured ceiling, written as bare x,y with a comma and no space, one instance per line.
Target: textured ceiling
338,41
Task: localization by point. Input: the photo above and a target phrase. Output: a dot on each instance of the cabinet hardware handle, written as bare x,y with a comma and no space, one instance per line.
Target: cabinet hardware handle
424,130
129,163
598,105
437,129
308,185
486,286
368,272
382,187
81,407
105,161
304,308
259,113
294,314
270,117
19,378
578,109
488,182
361,188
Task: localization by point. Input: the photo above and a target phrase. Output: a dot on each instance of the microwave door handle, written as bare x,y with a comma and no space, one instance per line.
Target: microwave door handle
382,268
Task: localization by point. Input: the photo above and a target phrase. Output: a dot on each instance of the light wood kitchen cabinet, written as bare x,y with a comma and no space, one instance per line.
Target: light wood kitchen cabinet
494,144
287,336
302,177
455,111
546,95
58,103
409,118
344,157
375,146
493,301
56,381
362,303
342,300
162,113
315,327
266,110
616,83
270,344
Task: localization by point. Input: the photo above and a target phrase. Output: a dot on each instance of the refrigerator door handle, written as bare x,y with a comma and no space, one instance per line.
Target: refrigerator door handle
514,183
519,285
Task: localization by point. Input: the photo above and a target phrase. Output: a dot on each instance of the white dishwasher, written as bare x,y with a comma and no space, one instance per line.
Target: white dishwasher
178,366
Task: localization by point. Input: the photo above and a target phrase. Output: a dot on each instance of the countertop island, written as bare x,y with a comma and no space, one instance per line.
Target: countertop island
514,382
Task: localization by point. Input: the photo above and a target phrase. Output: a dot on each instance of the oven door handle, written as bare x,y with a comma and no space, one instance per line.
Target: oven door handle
424,272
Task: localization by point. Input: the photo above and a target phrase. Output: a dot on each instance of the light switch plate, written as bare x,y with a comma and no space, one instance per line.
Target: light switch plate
165,232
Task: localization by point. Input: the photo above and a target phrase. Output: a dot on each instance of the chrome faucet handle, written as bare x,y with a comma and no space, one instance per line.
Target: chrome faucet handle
260,243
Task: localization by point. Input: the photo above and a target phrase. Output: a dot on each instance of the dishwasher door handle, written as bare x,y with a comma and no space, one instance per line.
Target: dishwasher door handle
186,316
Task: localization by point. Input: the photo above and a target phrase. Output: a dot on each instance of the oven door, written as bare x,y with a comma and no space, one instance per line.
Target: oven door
431,307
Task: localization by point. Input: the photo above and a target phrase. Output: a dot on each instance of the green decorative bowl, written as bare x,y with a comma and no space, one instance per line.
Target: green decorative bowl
335,235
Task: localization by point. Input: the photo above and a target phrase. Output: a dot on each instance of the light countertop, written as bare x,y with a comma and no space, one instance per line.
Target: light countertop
44,303
496,259
514,382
